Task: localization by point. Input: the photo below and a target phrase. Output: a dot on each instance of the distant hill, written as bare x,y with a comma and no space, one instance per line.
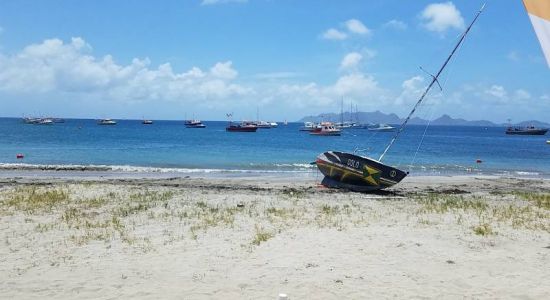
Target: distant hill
380,117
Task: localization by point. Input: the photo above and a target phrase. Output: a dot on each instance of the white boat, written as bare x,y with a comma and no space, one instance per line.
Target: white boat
308,126
273,124
45,121
382,127
326,128
106,122
194,124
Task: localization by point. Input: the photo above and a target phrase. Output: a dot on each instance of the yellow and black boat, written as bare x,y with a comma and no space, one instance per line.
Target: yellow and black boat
363,174
356,173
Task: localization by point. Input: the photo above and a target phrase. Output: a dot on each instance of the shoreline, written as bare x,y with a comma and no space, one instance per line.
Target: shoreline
298,170
477,237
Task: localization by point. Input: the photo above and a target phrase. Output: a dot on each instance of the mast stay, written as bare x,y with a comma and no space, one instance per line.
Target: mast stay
434,80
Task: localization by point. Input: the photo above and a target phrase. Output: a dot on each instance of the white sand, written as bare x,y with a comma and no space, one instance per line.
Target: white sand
322,244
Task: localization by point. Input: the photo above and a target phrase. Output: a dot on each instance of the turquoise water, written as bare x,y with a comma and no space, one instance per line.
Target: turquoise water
168,144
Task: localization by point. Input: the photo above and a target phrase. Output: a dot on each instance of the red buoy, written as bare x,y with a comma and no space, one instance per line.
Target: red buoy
19,156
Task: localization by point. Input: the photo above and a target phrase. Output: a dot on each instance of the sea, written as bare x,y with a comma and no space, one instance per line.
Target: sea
170,147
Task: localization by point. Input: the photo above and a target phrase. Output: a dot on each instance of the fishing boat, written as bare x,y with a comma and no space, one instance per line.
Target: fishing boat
194,124
529,130
361,173
326,129
308,126
381,127
243,127
106,122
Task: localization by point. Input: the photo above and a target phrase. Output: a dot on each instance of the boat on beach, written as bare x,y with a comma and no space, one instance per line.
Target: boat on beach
326,129
106,122
194,124
529,130
361,173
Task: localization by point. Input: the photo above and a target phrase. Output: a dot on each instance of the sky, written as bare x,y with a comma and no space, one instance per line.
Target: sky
283,59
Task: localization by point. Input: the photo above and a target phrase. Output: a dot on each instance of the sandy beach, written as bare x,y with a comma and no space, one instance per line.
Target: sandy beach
254,238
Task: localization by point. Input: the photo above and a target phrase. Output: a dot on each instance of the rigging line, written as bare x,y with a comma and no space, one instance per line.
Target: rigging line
463,36
447,77
432,110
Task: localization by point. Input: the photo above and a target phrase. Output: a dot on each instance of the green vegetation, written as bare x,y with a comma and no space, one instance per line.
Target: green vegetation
261,236
483,229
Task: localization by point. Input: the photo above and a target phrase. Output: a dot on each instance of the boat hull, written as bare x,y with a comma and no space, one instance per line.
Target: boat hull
527,132
356,173
325,133
241,129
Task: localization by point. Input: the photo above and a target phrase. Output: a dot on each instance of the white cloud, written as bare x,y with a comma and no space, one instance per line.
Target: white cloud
440,17
357,27
334,34
351,61
395,24
498,92
212,2
521,95
224,70
412,88
55,66
350,27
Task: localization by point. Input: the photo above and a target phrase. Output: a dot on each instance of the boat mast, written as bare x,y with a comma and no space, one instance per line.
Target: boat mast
434,80
342,112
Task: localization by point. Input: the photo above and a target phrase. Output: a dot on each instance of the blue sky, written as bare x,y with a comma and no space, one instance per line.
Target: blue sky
172,59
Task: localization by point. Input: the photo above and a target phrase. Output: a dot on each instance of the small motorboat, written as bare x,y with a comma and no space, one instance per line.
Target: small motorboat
327,129
243,127
273,124
147,122
308,126
262,124
106,122
46,121
194,124
382,127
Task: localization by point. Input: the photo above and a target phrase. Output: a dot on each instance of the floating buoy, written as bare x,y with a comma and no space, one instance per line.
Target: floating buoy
479,161
19,156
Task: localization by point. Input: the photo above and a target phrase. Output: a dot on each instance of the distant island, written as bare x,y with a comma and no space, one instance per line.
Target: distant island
380,117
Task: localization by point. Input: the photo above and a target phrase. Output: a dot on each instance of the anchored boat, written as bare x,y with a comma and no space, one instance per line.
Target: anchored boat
529,130
361,173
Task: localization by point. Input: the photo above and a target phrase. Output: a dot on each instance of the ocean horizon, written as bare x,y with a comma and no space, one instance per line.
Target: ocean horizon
168,146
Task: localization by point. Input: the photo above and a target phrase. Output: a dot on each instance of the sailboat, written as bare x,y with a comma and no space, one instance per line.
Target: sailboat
360,173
